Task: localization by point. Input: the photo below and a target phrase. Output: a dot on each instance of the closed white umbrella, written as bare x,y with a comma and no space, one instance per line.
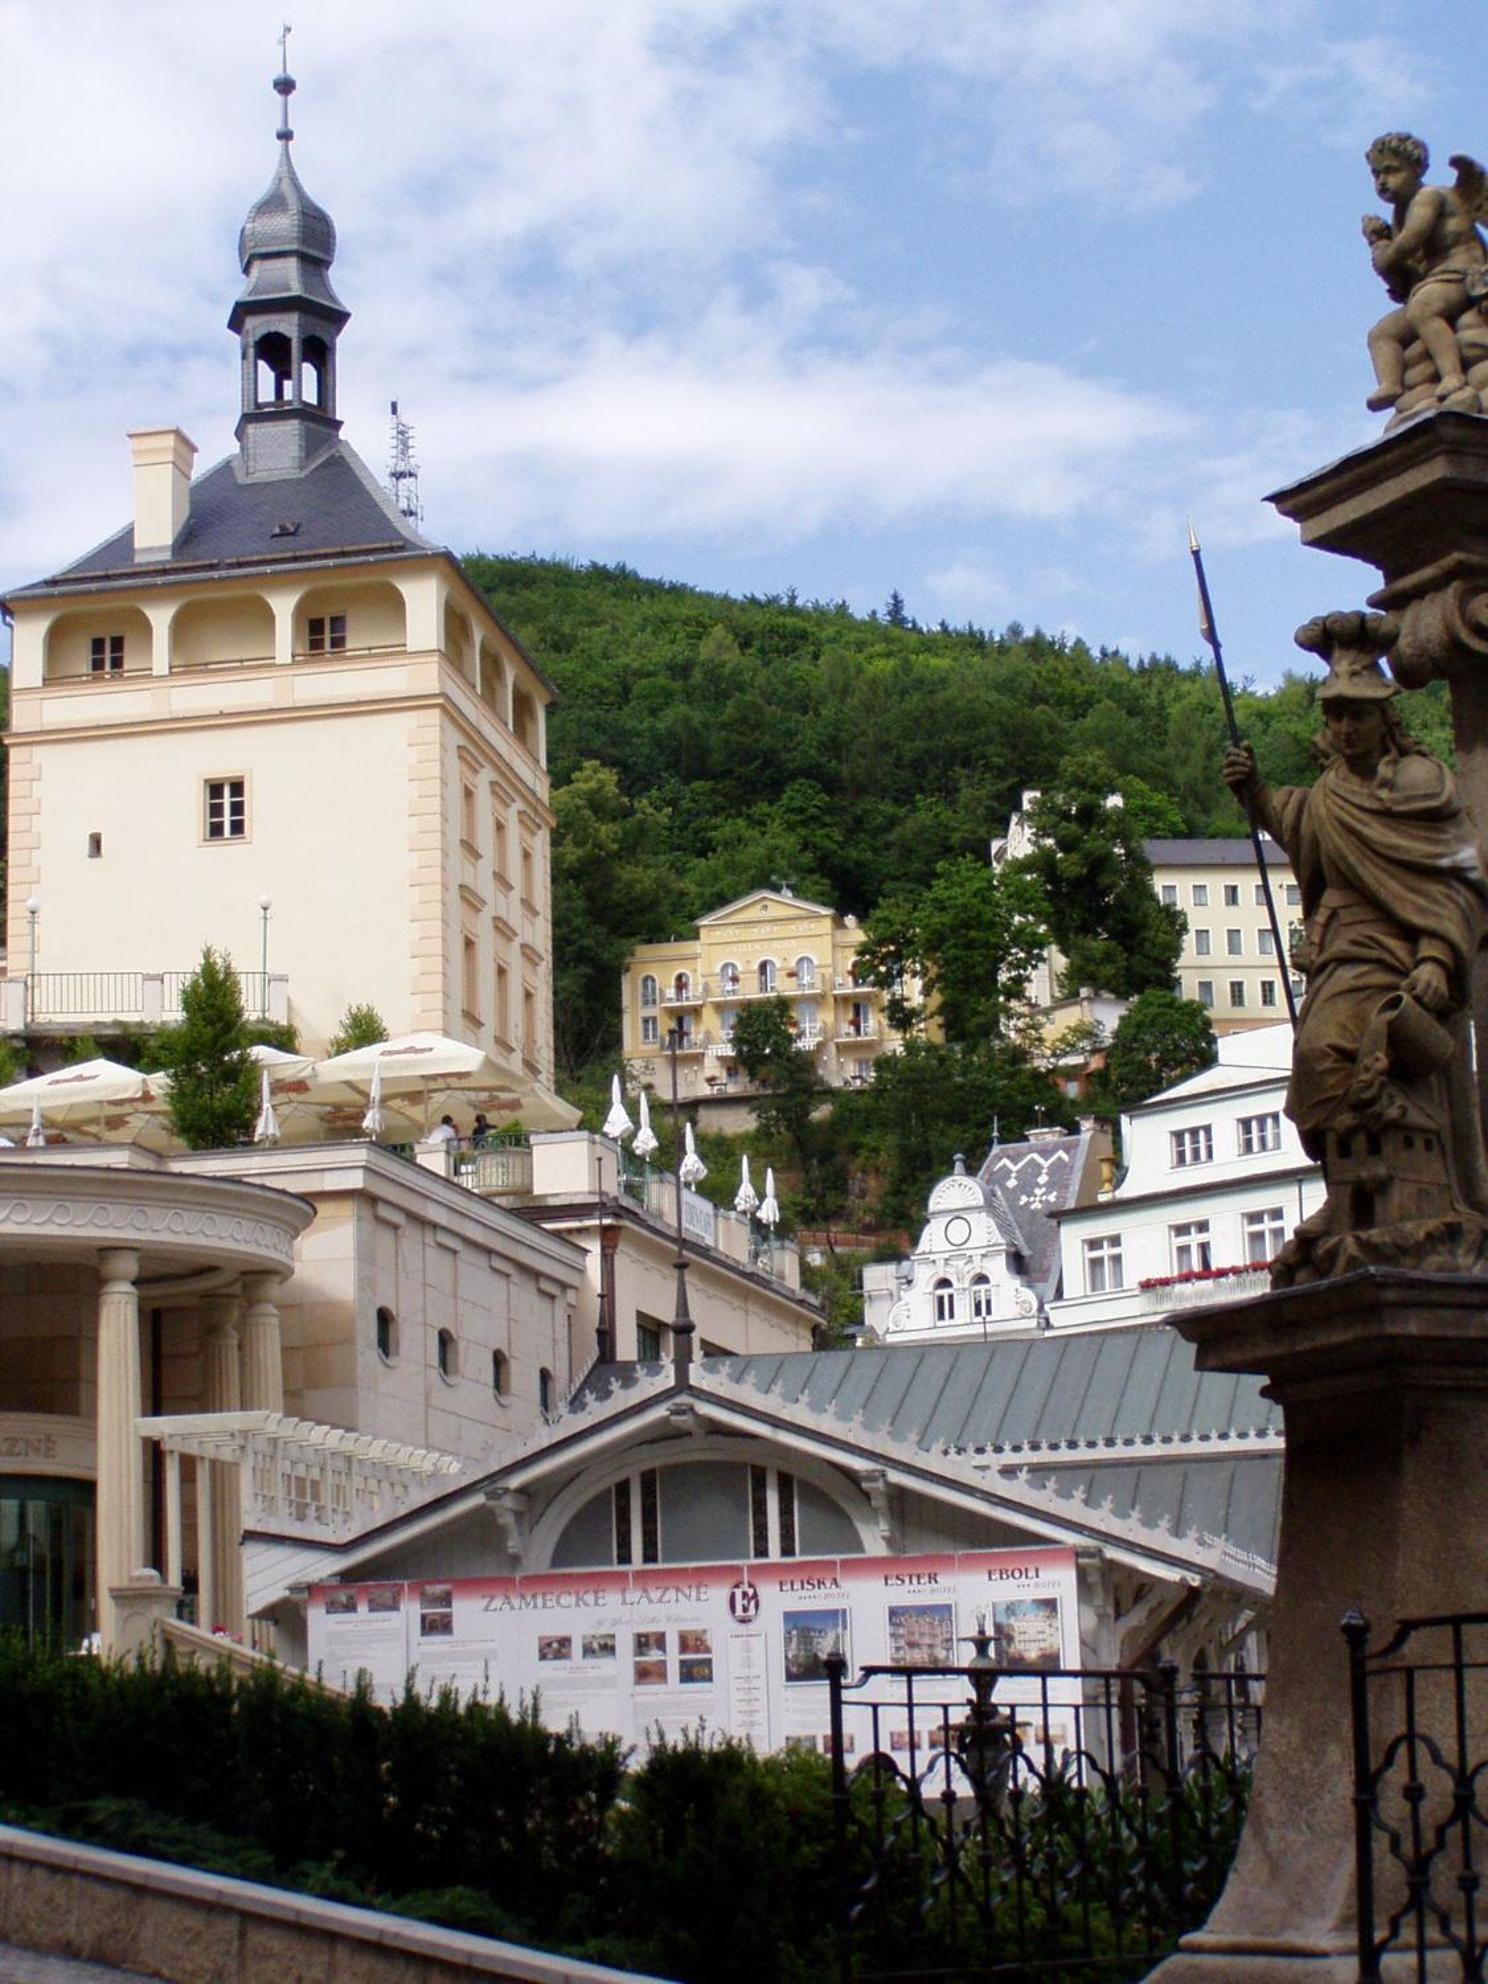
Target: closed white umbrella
36,1135
769,1209
645,1144
375,1120
692,1170
746,1199
617,1125
266,1129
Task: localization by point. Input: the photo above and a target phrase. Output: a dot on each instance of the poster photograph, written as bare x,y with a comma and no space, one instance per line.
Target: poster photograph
738,1647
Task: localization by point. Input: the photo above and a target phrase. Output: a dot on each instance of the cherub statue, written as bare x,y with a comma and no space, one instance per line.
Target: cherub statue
1396,906
1433,261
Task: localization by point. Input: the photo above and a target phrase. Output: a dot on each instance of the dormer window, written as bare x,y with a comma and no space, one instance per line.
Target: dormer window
327,633
106,654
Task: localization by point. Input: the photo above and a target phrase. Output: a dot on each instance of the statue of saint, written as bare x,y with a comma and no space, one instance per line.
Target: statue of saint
1432,260
1396,905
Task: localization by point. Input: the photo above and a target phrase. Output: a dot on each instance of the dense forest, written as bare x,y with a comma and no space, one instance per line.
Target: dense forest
703,746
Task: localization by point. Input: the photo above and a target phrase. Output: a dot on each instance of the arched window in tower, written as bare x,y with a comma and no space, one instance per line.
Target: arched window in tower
272,368
728,978
765,976
805,974
981,1299
682,985
945,1300
648,990
314,373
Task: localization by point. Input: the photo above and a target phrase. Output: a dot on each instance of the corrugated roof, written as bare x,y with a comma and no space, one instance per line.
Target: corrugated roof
335,506
1118,1389
1236,1496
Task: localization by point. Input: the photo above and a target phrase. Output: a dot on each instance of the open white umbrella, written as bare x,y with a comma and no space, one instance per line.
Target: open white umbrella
769,1209
375,1120
645,1144
426,1075
105,1098
617,1125
746,1199
266,1129
36,1135
692,1170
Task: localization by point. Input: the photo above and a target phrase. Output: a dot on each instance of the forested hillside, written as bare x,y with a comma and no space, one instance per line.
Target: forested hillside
704,746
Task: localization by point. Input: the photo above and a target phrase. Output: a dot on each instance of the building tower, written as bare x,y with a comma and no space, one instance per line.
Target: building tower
270,715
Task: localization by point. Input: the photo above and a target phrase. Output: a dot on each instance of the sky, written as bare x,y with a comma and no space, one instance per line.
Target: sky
975,300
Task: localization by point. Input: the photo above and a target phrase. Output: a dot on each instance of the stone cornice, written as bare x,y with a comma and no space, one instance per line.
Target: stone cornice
73,1210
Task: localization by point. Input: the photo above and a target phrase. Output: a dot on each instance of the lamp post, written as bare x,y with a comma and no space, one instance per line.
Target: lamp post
682,1330
33,910
265,904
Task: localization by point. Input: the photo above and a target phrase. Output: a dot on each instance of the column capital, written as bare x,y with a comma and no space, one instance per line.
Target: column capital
219,1313
262,1287
118,1266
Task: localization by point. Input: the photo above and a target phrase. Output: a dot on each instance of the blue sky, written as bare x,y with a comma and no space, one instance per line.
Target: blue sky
979,299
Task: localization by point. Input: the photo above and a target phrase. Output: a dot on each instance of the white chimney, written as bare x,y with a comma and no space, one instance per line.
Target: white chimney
162,489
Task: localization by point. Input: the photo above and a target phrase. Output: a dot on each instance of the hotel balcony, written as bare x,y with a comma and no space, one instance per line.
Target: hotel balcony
80,1001
1202,1291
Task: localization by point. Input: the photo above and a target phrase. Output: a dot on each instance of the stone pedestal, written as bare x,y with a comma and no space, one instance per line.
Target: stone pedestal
1384,1380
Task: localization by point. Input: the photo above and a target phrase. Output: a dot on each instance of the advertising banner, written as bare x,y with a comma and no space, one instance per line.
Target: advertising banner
736,1648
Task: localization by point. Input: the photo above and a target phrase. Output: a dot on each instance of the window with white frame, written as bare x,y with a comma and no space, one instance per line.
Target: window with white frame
981,1299
1237,993
1265,943
106,654
1203,944
1205,990
650,1030
225,808
1232,895
1170,894
1192,1146
1293,896
1201,895
945,1300
1103,1268
765,976
728,977
1259,1133
1265,1235
1235,943
1192,1251
805,974
326,633
1268,991
648,990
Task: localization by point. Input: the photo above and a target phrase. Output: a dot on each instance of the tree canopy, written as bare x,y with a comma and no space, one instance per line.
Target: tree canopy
214,1084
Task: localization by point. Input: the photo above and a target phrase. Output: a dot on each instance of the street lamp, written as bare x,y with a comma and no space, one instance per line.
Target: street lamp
682,1330
265,904
33,910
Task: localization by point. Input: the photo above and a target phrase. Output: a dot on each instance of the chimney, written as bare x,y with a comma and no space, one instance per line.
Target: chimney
162,489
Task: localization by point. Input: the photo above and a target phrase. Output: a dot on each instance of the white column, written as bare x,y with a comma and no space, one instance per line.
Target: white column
263,1353
120,1517
222,1392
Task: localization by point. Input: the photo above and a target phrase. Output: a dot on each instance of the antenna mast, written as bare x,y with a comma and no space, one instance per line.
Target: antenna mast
403,475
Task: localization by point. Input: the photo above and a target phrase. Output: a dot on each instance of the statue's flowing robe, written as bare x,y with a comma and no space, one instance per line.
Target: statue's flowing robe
1390,874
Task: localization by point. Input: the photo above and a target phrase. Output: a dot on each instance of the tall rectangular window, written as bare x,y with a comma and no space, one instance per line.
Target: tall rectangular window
650,1030
624,1553
106,654
503,1001
1260,895
1203,944
1195,1146
785,1509
1103,1268
1265,1235
1206,993
529,1023
648,1342
1293,896
529,890
1265,943
650,1517
759,1511
1237,993
1235,943
467,817
469,976
1259,1133
326,633
499,852
225,808
1268,991
1191,1249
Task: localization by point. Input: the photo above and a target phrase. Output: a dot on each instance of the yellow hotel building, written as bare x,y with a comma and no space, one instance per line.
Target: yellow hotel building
767,945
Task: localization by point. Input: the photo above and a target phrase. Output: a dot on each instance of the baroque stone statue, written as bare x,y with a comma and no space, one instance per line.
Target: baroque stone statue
1396,905
1432,349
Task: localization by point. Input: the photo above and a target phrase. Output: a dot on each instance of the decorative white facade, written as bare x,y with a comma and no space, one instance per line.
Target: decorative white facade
964,1278
1215,1181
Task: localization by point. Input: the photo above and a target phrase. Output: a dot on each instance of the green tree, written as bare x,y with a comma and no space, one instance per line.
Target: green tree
361,1026
1159,1040
765,1047
214,1085
1115,935
973,940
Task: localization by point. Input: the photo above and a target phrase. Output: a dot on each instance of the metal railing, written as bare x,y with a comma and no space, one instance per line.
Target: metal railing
1419,1706
253,986
993,1821
86,995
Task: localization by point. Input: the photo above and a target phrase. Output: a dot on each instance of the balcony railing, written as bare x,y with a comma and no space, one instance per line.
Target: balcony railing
1204,1290
498,1169
863,1030
144,998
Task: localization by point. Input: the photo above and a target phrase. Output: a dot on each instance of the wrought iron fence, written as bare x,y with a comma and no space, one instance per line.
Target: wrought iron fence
998,1822
85,995
1420,1710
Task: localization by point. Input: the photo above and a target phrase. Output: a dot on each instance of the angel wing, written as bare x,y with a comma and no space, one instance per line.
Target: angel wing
1472,185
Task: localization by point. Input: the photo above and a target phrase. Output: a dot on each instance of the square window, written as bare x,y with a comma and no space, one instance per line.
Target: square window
106,654
1237,992
226,809
1170,893
1265,1235
1193,1146
1201,895
1103,1268
1191,1247
1232,895
326,633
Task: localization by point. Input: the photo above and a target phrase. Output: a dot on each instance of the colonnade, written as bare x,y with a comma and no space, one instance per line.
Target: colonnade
242,1370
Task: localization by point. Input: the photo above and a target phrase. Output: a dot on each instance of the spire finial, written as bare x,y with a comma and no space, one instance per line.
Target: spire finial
284,85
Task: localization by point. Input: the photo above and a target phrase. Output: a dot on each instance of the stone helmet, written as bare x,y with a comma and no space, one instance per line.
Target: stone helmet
1352,644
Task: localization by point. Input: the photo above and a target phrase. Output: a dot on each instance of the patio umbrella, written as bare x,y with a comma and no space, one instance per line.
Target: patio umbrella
36,1135
266,1129
108,1100
645,1144
375,1120
426,1075
692,1170
769,1209
617,1124
746,1199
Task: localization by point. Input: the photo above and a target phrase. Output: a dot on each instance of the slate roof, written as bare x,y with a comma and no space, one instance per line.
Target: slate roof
1212,853
1028,1185
1235,1496
336,506
1119,1392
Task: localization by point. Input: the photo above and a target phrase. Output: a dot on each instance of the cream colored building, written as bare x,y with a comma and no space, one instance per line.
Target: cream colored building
767,945
268,715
